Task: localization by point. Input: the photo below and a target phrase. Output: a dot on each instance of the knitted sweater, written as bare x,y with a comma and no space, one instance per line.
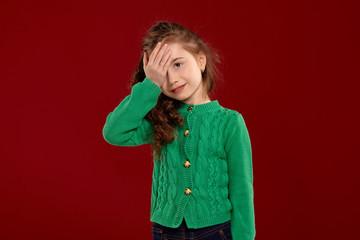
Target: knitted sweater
205,175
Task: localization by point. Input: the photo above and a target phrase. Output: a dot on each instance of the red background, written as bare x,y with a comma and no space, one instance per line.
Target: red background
288,67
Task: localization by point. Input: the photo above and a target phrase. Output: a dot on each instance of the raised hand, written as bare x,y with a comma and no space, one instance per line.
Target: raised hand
157,66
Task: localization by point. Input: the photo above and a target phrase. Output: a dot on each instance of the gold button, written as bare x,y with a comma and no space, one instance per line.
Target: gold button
186,164
186,132
190,108
188,191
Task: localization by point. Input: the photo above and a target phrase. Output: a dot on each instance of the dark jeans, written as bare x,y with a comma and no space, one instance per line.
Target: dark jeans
216,232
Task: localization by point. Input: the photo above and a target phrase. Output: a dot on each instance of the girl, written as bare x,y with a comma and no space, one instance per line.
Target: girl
202,184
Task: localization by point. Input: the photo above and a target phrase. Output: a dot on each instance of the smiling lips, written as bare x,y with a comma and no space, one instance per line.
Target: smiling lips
178,89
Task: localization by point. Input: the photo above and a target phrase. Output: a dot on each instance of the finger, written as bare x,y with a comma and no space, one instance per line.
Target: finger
160,55
168,62
154,53
166,59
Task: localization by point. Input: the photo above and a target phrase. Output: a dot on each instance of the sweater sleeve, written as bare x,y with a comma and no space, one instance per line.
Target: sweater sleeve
241,193
126,125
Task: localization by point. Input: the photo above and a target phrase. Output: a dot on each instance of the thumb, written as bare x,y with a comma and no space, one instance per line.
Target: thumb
145,59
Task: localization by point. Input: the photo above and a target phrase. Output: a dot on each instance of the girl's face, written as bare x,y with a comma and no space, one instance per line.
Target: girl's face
185,70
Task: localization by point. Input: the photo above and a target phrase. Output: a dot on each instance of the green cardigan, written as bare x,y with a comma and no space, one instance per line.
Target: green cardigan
205,175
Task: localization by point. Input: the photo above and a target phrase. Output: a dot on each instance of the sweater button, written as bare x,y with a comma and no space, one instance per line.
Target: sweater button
190,108
186,132
186,164
188,191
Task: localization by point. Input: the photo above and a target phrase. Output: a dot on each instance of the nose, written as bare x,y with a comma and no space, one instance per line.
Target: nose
172,78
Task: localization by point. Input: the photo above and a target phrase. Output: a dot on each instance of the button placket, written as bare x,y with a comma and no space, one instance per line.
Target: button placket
187,133
187,163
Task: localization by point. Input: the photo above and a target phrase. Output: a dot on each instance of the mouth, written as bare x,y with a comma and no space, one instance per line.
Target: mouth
179,89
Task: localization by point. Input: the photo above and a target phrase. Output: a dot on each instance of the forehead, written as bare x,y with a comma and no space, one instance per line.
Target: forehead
177,49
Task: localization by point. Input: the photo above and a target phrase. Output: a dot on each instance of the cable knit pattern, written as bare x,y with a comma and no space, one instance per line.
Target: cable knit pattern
220,176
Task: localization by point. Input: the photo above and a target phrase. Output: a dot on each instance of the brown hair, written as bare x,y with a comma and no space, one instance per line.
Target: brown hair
164,116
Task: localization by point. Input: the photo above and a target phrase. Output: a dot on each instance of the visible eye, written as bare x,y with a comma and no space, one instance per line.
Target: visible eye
177,63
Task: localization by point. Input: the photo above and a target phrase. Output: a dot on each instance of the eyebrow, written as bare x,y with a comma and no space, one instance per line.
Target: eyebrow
176,59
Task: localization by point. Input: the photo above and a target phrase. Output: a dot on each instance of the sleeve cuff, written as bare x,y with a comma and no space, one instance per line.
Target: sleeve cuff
151,86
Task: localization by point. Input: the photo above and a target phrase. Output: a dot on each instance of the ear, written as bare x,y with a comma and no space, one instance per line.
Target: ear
201,60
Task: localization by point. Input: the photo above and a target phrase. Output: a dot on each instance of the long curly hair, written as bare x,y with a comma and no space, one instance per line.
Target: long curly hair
165,117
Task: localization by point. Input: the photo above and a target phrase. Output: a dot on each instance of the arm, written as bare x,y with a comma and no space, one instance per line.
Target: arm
241,192
126,125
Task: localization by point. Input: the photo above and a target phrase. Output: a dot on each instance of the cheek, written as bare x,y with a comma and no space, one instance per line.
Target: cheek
190,77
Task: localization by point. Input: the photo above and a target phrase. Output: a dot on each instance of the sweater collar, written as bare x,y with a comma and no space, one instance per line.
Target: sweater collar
199,108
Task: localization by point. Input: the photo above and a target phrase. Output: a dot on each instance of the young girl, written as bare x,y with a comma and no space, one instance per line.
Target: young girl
202,184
